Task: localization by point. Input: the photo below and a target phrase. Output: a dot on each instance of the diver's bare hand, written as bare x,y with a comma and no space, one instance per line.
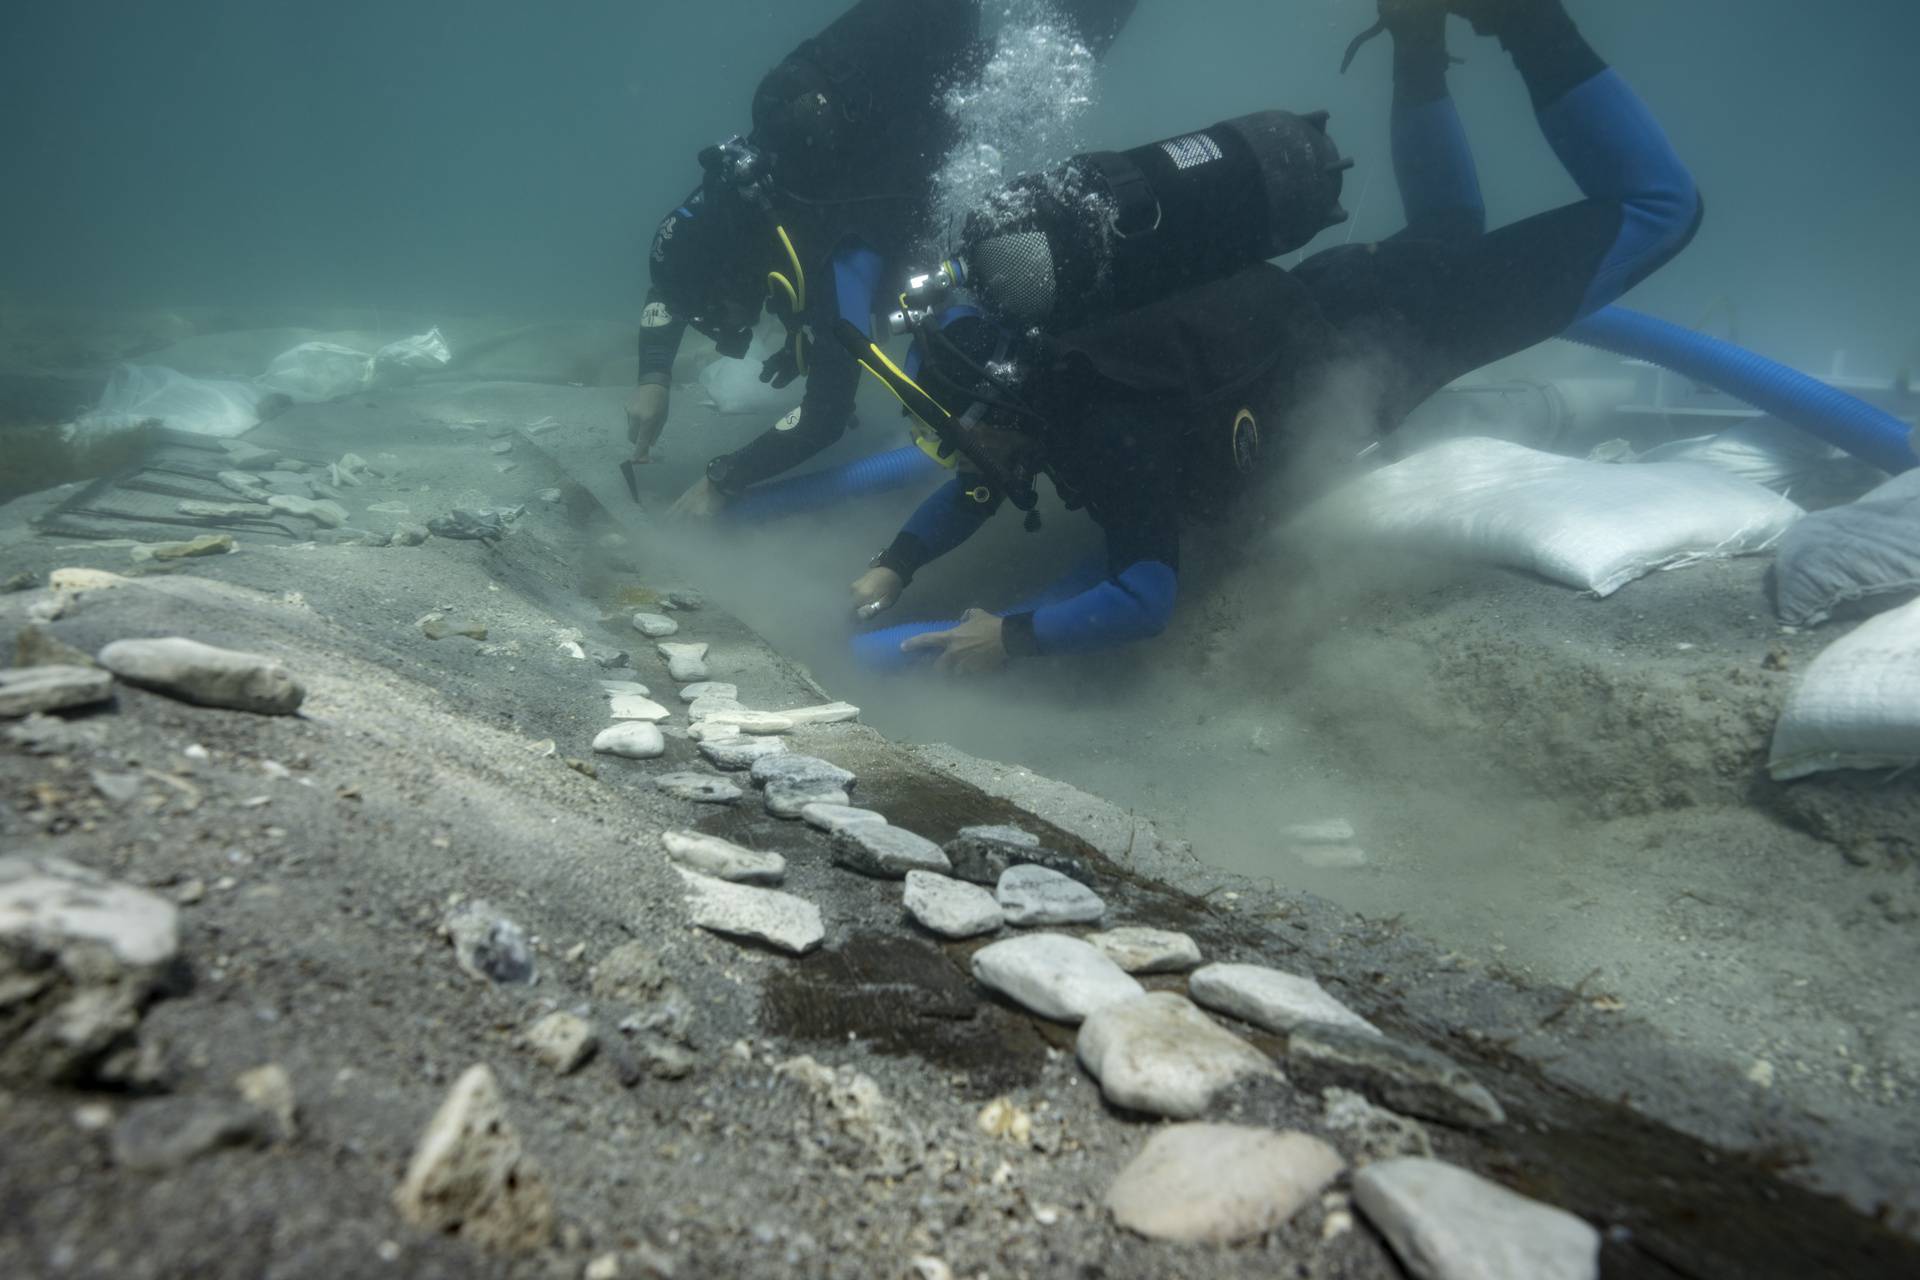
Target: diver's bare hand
876,591
975,647
702,502
646,418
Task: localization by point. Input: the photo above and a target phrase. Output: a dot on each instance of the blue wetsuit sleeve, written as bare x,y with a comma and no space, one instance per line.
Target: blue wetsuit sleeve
1132,605
1433,166
1617,153
945,520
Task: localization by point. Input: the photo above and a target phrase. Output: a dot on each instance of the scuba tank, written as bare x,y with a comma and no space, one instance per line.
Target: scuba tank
1112,230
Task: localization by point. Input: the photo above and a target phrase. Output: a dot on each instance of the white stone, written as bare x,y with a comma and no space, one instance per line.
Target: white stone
628,706
1327,831
709,688
564,1041
1269,998
48,904
791,799
25,691
270,1088
712,705
1033,895
685,662
723,859
833,817
85,580
794,767
951,908
886,851
765,915
327,514
745,720
246,485
713,731
655,626
825,713
702,788
1219,1184
739,752
487,945
202,674
1448,1224
1159,1054
1054,975
469,1176
633,739
1138,949
633,687
222,510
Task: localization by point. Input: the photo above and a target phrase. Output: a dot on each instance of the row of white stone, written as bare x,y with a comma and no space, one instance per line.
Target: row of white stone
1156,1052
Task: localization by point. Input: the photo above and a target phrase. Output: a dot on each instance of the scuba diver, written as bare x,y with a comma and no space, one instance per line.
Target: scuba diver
807,215
1138,349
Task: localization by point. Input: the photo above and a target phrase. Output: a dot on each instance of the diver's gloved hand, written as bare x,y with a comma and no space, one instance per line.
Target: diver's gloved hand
876,591
780,368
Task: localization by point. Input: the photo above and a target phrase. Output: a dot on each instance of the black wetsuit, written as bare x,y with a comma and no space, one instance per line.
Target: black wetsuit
855,210
1147,408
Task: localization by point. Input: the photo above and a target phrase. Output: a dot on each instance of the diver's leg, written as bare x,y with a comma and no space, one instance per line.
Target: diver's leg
1609,143
1432,160
1440,310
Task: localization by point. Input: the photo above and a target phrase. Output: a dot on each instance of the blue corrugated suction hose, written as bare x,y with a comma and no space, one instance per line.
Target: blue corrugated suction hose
792,495
1848,422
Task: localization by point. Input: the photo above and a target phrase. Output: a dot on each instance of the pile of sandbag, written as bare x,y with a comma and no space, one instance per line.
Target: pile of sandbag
1867,551
227,405
1778,455
1589,525
1858,706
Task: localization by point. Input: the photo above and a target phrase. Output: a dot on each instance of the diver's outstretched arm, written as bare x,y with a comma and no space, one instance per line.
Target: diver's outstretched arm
946,519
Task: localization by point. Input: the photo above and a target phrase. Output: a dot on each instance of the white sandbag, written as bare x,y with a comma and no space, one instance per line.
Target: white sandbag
137,394
316,371
422,353
734,386
1587,524
1858,706
1867,550
1773,453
